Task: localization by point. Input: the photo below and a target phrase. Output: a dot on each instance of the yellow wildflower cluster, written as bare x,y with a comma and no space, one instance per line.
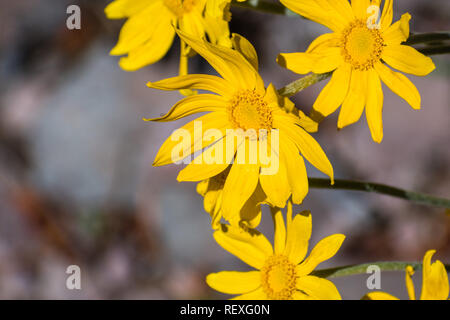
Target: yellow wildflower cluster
249,149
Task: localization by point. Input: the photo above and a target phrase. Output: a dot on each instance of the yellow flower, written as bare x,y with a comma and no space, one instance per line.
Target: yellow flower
241,108
435,284
149,30
282,272
358,50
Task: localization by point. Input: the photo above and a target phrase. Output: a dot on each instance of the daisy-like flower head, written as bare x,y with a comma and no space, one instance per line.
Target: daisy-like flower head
358,51
435,285
148,32
240,108
283,272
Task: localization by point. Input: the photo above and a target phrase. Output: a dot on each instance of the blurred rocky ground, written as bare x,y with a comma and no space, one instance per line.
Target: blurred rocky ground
77,185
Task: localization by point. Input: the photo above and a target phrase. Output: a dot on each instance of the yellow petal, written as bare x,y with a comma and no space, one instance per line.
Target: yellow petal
252,248
322,61
276,186
192,24
244,46
238,190
194,104
214,120
142,27
342,9
251,211
318,288
216,17
119,9
379,295
271,95
354,103
409,283
374,107
324,41
398,32
318,11
295,163
210,200
229,63
324,250
408,60
253,237
202,187
307,123
400,84
329,59
435,284
197,171
150,52
387,15
232,282
216,214
298,119
193,81
298,235
280,230
301,296
258,294
332,96
215,8
360,8
309,148
298,62
217,30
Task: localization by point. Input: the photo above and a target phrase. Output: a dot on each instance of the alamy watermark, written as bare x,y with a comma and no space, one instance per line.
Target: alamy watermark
73,281
373,21
73,21
374,280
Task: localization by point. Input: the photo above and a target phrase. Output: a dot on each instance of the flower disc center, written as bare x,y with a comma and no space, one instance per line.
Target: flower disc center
278,278
362,47
248,110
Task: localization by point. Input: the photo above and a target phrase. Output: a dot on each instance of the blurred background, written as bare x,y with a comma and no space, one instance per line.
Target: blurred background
77,184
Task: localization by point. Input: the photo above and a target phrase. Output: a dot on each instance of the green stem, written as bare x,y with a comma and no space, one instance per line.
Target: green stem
427,37
362,268
302,83
429,51
320,183
265,7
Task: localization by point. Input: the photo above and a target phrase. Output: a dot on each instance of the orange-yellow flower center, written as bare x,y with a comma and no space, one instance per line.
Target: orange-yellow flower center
248,110
180,7
278,278
361,46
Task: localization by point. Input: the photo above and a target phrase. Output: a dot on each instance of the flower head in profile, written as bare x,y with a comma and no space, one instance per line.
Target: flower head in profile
360,52
435,285
282,271
245,131
149,31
